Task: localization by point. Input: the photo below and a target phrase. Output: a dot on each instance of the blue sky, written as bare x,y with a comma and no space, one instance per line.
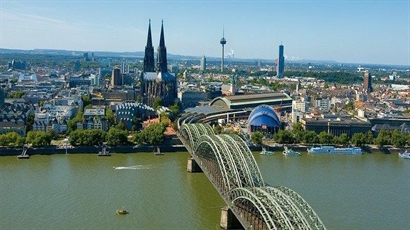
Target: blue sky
357,31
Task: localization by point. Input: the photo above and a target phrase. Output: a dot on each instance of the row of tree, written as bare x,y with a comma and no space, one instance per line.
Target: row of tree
152,135
298,135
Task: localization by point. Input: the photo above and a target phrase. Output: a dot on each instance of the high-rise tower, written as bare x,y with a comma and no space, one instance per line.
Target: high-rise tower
203,63
281,63
149,64
162,65
223,42
367,84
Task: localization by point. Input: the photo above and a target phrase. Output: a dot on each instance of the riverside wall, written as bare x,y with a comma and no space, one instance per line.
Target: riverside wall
172,144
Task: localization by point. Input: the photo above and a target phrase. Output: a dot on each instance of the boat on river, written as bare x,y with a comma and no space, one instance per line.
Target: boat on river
290,152
121,211
405,155
331,150
266,152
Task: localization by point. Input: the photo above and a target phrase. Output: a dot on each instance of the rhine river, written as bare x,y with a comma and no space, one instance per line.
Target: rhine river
77,191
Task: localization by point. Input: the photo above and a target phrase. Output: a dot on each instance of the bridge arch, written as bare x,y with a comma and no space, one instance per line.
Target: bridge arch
229,164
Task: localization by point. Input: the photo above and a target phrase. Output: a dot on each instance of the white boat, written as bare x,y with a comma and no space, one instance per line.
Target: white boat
335,151
405,155
290,152
266,152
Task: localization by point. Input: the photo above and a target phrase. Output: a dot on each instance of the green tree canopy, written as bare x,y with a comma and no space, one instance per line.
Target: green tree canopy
39,138
157,103
87,137
109,114
256,137
325,138
152,135
72,123
398,139
343,139
284,136
383,138
358,139
116,136
11,139
310,137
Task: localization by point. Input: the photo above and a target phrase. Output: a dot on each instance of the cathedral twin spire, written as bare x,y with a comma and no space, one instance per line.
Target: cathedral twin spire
149,64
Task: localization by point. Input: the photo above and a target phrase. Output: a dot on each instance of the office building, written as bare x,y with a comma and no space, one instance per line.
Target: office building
367,84
116,77
203,63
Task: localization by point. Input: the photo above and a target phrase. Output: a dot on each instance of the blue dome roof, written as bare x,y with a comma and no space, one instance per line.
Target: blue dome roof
264,115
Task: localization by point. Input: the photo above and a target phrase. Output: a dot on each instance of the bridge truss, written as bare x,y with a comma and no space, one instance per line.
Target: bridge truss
230,166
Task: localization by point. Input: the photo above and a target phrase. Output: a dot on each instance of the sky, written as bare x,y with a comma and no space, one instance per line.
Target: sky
347,31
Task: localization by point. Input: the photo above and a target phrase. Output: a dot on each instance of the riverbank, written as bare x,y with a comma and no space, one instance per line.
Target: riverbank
175,147
49,150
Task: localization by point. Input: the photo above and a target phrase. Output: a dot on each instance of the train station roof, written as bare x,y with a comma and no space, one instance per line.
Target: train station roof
250,100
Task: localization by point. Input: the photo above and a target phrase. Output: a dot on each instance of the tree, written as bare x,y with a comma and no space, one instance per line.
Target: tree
152,135
298,131
164,117
116,136
15,94
398,139
256,137
284,136
155,134
217,129
87,137
325,138
157,103
176,108
343,139
383,138
358,139
310,137
11,139
38,138
30,122
109,114
86,100
369,137
72,123
349,106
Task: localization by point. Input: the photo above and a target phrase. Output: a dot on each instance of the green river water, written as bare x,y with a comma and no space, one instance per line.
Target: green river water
83,191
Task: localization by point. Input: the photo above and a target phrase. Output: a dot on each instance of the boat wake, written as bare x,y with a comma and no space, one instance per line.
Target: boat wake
132,167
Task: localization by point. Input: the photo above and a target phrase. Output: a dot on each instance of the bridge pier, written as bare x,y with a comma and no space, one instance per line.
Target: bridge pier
192,166
229,220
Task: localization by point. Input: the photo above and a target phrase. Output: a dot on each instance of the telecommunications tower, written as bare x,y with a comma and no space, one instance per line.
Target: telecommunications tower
223,42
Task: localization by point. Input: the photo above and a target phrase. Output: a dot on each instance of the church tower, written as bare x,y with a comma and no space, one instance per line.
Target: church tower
149,64
162,65
156,81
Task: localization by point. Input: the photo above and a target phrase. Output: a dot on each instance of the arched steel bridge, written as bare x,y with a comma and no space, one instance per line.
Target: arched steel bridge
230,166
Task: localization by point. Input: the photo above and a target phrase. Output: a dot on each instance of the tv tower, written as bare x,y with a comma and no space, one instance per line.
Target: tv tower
223,42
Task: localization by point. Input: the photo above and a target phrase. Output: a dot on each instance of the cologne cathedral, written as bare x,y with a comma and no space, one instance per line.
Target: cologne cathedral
156,82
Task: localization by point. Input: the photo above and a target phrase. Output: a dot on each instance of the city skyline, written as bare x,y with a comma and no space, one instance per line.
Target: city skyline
374,32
